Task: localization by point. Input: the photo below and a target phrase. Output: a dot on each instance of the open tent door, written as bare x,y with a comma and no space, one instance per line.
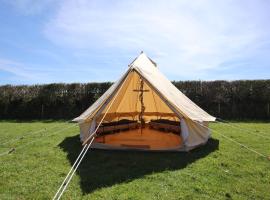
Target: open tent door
145,113
139,119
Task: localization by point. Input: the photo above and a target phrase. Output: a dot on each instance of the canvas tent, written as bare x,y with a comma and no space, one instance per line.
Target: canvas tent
144,110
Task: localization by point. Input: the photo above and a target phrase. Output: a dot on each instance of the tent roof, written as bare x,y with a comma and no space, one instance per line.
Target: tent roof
174,98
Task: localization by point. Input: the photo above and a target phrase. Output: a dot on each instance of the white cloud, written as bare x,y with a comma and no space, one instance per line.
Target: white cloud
20,71
23,73
186,37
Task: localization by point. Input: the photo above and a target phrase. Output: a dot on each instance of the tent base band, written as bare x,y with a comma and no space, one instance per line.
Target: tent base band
106,147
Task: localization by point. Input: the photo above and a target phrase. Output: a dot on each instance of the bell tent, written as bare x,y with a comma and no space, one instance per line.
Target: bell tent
144,110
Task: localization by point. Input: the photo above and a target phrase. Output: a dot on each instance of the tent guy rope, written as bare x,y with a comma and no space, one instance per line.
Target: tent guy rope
68,178
234,141
227,123
83,152
24,145
29,134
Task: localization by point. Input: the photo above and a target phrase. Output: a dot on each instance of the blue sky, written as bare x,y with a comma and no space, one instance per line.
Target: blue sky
86,40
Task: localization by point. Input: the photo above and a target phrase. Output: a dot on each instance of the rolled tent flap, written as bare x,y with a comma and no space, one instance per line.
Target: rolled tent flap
197,134
84,130
184,130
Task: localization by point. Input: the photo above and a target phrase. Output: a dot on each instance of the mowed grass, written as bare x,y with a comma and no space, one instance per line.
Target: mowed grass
218,170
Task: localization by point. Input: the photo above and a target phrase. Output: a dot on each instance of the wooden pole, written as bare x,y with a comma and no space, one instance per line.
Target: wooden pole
141,90
142,106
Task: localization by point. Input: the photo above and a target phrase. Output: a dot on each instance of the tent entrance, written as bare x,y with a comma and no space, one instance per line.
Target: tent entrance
150,137
139,119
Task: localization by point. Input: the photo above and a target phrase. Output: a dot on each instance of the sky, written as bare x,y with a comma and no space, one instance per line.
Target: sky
50,41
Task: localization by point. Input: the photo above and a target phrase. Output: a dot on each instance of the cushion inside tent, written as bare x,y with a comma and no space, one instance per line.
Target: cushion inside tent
154,135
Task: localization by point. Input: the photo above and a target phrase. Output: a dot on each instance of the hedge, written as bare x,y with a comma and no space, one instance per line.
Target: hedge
245,99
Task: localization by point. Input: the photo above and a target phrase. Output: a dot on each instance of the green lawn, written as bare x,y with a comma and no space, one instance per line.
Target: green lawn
218,170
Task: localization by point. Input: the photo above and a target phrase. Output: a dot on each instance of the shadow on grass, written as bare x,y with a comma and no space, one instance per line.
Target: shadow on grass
104,168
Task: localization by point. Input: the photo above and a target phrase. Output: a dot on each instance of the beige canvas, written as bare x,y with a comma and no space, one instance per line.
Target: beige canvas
161,100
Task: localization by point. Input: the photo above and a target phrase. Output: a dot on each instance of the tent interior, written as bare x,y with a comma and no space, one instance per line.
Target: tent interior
138,118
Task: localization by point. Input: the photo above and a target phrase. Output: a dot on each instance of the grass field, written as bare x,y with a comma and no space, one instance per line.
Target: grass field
218,170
